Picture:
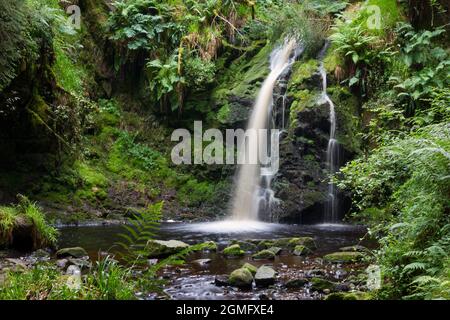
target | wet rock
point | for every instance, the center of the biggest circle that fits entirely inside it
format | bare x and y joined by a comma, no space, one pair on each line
245,245
276,250
315,273
209,246
75,252
296,283
319,284
265,276
241,278
265,244
160,248
41,255
304,241
356,247
301,250
250,268
221,280
343,257
233,251
73,270
202,262
62,263
264,255
342,287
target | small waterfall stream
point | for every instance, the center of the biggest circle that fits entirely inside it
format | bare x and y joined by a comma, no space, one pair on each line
332,205
253,193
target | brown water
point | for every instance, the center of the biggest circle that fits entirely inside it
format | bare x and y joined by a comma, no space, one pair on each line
194,281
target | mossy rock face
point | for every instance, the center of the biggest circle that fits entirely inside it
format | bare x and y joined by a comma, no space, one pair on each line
301,250
233,251
343,257
319,284
242,278
75,252
160,248
250,268
303,74
264,255
238,86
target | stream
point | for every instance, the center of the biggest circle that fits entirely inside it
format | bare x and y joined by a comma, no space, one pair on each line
196,280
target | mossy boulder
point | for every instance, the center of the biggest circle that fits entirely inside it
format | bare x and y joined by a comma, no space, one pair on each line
296,283
356,247
264,255
320,285
357,295
303,241
276,250
250,268
265,276
265,244
343,257
161,248
208,246
75,252
245,245
301,250
233,251
242,278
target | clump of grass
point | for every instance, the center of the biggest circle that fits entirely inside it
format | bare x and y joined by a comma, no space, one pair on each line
26,213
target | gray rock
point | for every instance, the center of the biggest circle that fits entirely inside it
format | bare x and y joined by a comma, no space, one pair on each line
202,262
73,270
82,263
221,280
265,276
161,248
264,255
241,278
62,263
75,252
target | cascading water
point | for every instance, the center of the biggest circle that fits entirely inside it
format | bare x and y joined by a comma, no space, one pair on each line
332,205
253,189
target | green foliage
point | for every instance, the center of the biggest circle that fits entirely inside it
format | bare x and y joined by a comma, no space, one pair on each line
429,65
24,212
406,183
199,73
365,54
141,227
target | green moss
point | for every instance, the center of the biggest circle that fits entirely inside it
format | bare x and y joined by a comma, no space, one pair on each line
250,268
264,255
233,251
319,284
343,257
332,60
301,71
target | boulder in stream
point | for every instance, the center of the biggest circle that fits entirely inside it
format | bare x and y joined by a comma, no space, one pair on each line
241,278
221,280
343,257
301,250
322,285
160,248
276,250
250,268
264,255
245,245
265,276
233,251
296,283
75,252
356,247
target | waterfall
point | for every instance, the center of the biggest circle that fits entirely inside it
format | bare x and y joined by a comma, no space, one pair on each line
332,205
253,189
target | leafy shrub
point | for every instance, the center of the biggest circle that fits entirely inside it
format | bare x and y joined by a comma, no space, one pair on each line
406,181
